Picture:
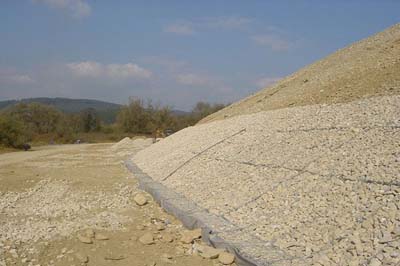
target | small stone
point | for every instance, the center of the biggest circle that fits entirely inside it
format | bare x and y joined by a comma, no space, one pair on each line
89,233
180,250
85,239
374,262
82,257
114,257
386,237
160,227
140,227
226,258
147,239
189,236
140,199
101,237
64,250
207,252
166,237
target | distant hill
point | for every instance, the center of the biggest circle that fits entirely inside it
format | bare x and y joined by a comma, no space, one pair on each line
106,110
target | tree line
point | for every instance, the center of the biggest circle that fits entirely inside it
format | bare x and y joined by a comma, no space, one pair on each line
25,122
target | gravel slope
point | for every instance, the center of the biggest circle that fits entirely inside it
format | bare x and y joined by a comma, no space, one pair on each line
319,182
367,68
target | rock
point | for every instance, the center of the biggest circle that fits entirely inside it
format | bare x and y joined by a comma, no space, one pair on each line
189,236
140,227
89,233
147,239
167,237
179,250
207,252
82,257
160,227
114,257
374,262
85,239
101,237
140,199
226,258
386,237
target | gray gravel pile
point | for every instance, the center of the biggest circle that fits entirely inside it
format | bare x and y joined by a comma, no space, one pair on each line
321,182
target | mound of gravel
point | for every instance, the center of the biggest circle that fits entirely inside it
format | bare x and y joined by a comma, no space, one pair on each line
122,143
367,68
320,183
127,144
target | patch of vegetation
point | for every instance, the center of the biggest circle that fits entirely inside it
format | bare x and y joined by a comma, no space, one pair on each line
43,124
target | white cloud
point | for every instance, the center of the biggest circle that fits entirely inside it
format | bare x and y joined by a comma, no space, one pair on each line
275,42
267,81
182,28
78,8
115,71
192,79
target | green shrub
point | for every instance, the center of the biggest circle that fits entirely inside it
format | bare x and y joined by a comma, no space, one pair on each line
12,132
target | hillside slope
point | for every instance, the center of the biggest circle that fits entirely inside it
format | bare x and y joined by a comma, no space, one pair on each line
370,67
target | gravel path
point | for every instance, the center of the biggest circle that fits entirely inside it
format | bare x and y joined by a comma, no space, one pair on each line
321,183
76,205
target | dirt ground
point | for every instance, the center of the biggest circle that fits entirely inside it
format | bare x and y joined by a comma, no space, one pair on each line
54,199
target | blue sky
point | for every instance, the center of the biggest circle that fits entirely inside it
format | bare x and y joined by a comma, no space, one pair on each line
173,52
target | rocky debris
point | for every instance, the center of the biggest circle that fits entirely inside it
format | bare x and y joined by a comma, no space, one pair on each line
147,239
46,222
56,208
321,187
226,258
140,199
189,236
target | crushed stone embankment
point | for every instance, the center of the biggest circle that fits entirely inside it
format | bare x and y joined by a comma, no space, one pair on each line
321,183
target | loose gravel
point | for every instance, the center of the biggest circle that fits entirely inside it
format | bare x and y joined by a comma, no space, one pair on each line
319,182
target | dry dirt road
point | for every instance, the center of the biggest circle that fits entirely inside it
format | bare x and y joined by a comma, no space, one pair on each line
54,199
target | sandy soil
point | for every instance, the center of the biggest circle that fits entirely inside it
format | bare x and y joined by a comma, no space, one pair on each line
51,197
